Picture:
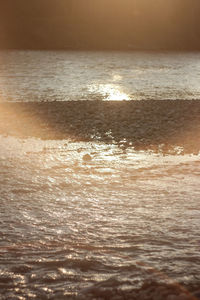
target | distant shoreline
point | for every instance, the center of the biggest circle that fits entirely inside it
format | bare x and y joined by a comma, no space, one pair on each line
144,124
104,49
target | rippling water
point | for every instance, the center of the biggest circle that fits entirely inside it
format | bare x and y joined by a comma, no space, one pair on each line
67,222
65,75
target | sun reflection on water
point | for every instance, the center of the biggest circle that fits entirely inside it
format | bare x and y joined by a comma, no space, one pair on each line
109,92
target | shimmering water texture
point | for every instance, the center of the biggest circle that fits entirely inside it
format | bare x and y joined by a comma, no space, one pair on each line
79,75
73,214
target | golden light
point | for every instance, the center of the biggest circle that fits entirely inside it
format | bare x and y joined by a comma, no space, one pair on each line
109,92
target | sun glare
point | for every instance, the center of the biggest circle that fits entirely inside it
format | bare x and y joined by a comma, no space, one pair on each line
109,92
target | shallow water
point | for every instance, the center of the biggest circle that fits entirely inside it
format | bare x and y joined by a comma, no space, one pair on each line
67,222
80,75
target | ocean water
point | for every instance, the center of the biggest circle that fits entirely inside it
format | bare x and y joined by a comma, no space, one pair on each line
67,222
79,75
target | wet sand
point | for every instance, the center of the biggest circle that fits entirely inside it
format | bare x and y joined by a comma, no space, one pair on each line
156,125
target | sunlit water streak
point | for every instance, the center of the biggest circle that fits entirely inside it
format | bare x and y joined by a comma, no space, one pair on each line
82,75
66,222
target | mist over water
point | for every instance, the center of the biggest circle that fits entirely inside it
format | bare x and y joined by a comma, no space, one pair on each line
83,75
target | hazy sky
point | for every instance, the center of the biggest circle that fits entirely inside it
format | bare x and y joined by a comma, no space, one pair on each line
99,24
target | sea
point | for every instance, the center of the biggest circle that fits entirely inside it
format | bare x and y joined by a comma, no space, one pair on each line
113,75
73,214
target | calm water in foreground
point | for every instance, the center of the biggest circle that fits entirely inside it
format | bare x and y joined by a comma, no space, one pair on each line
66,223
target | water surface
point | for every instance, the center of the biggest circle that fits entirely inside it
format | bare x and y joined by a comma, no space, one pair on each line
79,75
67,223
